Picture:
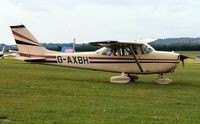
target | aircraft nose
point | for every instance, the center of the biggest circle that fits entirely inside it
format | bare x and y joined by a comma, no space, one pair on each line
182,58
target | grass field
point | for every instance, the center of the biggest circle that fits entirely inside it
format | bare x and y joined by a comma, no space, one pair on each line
31,93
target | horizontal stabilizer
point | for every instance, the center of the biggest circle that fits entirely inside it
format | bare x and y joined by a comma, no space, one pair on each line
13,51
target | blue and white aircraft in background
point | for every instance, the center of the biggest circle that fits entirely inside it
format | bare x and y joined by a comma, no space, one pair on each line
69,48
2,53
12,53
197,58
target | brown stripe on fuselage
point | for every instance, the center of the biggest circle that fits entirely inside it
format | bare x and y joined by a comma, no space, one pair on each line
118,62
21,36
26,43
118,58
31,55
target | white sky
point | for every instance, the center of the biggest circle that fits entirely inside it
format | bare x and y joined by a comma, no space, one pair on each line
59,21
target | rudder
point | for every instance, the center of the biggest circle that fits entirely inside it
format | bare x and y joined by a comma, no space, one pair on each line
27,44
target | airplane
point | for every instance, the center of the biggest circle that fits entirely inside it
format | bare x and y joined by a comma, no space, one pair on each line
12,53
2,53
197,58
130,58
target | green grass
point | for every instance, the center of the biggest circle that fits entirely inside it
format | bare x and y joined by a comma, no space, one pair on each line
190,53
31,93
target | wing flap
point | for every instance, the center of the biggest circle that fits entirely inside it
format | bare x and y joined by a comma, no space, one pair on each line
115,43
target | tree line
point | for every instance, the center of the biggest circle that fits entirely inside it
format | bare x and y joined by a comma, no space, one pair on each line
87,47
177,47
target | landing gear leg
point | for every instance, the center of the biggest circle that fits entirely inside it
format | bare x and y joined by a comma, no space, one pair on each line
133,77
163,80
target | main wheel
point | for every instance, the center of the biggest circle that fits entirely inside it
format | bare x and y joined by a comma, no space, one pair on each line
163,80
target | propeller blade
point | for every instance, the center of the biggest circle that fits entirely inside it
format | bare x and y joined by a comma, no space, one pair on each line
183,63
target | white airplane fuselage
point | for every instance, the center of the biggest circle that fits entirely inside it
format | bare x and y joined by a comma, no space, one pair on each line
154,62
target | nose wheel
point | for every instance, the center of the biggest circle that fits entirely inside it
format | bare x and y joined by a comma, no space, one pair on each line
163,80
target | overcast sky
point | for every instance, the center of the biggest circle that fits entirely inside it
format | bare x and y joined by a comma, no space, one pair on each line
94,20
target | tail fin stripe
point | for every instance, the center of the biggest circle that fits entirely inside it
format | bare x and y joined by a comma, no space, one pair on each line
21,36
28,44
18,26
25,43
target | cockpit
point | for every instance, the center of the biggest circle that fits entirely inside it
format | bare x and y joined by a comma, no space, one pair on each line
126,50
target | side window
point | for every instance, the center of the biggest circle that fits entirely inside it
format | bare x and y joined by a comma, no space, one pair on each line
137,50
111,52
125,51
107,52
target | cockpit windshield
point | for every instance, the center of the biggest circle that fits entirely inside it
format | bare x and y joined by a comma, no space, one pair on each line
147,48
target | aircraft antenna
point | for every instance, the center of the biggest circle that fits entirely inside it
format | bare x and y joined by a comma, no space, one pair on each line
74,45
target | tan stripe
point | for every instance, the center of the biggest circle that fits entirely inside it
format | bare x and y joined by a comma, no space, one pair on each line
21,36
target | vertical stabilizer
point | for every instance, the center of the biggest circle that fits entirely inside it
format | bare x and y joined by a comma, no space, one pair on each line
27,44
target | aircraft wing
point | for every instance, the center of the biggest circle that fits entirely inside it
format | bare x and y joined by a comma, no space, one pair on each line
115,43
13,51
10,55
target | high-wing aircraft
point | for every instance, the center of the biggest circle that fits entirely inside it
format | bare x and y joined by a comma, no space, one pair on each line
2,52
130,58
10,54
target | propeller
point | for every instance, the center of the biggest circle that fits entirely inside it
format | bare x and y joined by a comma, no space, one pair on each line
182,58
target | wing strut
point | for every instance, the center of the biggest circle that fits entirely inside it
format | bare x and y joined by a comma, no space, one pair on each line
134,56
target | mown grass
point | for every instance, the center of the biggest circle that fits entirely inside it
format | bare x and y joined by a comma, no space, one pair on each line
32,93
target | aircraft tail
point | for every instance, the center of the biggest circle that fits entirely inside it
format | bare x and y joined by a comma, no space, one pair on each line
27,44
3,49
